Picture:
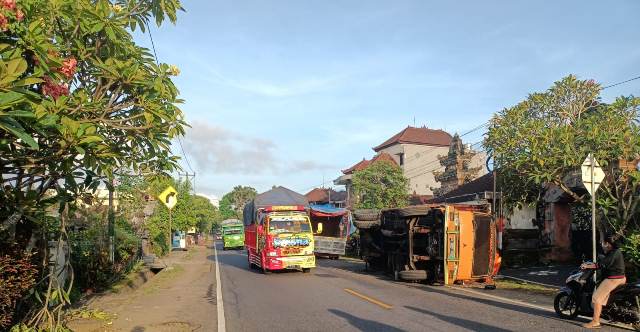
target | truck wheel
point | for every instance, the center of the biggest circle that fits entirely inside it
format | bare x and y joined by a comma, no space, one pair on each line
413,275
265,271
306,270
366,214
366,224
251,265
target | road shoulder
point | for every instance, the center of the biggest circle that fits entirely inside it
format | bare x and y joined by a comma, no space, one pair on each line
182,297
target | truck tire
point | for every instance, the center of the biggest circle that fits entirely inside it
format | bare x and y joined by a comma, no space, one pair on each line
366,214
413,275
366,224
306,270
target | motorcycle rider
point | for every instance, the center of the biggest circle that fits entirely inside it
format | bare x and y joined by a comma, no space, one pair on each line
612,267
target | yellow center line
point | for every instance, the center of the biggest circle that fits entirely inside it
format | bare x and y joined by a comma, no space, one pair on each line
364,297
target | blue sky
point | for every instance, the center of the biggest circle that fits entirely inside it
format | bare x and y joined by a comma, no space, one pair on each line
289,92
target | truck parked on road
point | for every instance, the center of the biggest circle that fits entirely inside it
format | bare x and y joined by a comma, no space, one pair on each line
278,232
232,234
331,241
449,243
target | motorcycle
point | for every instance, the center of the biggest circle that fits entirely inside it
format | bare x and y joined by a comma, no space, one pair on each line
353,246
575,299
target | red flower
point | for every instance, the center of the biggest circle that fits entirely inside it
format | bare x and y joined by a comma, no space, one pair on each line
19,15
54,90
4,23
8,4
69,67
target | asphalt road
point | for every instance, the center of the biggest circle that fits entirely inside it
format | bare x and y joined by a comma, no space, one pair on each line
337,296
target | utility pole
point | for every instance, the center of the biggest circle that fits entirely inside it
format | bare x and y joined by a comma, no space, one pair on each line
111,223
192,181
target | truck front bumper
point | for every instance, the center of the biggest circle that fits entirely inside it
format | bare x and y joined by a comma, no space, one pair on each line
290,262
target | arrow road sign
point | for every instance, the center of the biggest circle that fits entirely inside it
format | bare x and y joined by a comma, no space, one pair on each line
169,197
587,176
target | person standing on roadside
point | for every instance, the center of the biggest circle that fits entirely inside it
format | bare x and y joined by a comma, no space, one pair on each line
612,267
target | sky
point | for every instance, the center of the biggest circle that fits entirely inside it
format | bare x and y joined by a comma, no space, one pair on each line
291,92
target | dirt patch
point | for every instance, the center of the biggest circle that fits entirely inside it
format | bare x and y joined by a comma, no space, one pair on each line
179,298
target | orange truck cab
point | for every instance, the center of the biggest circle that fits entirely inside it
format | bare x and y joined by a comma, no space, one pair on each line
278,232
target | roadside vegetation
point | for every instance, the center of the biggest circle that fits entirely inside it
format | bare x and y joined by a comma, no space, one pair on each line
81,105
381,185
544,139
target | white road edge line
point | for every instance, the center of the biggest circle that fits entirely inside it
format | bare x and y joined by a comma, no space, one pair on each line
219,303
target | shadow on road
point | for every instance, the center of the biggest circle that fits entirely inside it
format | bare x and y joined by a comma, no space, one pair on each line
364,324
463,323
238,259
493,303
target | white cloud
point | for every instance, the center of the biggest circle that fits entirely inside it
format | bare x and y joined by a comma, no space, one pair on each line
220,150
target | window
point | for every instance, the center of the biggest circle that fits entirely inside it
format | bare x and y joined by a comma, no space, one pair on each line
401,157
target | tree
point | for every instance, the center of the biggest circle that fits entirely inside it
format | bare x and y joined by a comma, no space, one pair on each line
190,211
232,203
79,101
381,185
544,139
205,214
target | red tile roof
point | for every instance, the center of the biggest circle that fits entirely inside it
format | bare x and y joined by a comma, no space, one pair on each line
317,195
359,166
322,195
365,163
421,136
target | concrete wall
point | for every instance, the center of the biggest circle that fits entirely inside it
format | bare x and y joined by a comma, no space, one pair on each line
480,160
419,163
521,218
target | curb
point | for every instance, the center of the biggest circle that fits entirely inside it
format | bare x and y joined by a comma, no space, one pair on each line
528,281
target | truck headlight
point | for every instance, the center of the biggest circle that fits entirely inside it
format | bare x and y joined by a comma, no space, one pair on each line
272,253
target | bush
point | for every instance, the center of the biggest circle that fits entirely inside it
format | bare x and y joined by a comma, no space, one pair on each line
90,254
17,276
631,250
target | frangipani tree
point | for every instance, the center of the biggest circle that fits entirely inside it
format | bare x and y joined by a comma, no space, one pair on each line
546,137
79,100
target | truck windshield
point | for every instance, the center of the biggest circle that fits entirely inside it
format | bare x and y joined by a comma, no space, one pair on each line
233,231
289,226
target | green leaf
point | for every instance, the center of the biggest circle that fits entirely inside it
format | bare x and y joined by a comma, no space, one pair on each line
10,97
16,67
21,134
91,139
28,81
19,114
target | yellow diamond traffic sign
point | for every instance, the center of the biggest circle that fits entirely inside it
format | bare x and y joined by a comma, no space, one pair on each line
169,197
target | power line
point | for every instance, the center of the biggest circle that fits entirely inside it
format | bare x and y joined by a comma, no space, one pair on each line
422,167
434,169
487,122
623,82
186,159
418,154
153,45
185,155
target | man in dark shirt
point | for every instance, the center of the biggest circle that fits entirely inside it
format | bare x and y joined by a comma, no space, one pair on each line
612,266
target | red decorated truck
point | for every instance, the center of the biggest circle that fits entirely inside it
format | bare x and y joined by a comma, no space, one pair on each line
278,233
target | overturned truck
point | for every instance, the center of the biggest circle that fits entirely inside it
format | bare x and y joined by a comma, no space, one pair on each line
447,244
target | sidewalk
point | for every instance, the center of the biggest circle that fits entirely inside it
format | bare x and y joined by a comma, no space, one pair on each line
179,298
551,276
